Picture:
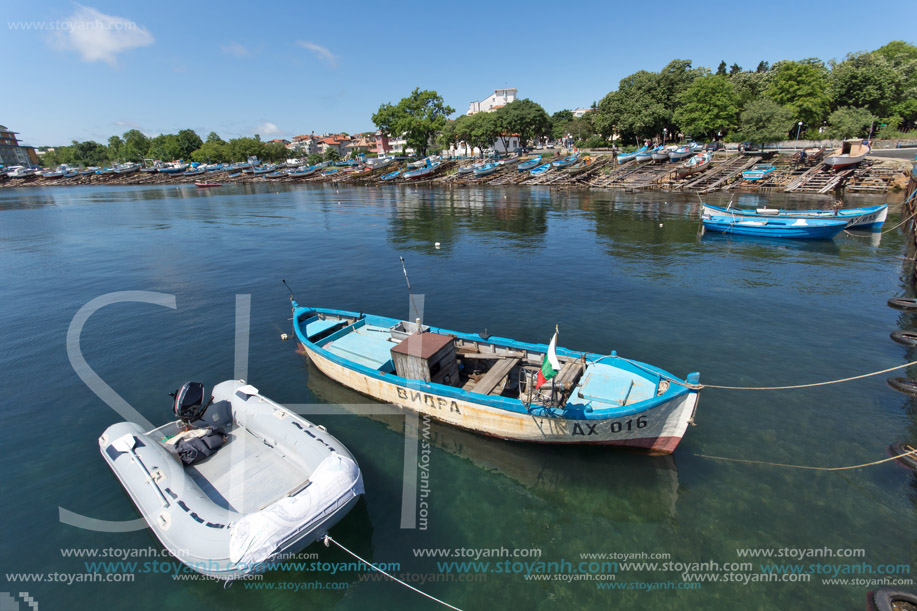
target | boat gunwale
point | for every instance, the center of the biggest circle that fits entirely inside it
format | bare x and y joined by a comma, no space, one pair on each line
676,389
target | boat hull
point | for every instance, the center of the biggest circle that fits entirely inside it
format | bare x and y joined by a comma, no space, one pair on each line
763,228
661,431
871,217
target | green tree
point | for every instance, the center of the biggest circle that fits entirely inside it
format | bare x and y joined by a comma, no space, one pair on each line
275,152
332,155
734,69
523,117
484,130
315,159
136,145
164,147
865,80
763,66
240,149
215,138
803,88
708,105
115,147
721,69
188,141
211,152
418,117
764,121
903,59
850,122
645,101
750,85
562,116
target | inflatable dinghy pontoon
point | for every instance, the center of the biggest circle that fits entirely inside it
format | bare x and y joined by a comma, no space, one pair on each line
235,483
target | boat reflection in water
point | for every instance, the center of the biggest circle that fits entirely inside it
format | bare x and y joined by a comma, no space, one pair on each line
613,483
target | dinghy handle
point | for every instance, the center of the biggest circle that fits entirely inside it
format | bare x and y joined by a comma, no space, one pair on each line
126,443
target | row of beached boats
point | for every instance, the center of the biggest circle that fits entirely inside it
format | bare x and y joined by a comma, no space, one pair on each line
798,224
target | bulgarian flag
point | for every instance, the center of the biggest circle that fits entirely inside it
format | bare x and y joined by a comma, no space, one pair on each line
550,366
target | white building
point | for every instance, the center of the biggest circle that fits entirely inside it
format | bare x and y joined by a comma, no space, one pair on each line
499,99
579,112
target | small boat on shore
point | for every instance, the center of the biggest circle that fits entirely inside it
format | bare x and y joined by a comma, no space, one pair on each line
421,172
625,157
126,168
648,154
776,227
207,185
497,386
196,172
685,150
566,161
851,153
172,168
232,485
661,154
757,172
540,169
528,164
869,217
698,163
276,174
485,170
303,172
391,175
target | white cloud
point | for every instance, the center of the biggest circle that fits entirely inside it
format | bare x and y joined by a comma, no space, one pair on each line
97,36
267,129
236,49
320,52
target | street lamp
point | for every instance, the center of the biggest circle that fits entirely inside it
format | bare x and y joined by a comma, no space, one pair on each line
664,132
798,127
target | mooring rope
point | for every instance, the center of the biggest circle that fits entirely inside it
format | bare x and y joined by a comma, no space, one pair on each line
328,539
701,386
910,452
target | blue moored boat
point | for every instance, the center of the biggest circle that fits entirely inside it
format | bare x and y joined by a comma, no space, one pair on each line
392,175
488,386
540,169
529,164
625,157
778,227
757,172
869,217
566,161
486,170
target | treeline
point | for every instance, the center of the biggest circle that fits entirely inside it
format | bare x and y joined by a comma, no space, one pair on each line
134,145
833,99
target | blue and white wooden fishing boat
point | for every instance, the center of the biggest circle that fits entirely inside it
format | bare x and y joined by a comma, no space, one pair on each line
234,175
276,174
71,174
195,172
330,172
233,485
392,175
487,384
697,163
685,150
421,172
566,161
126,168
303,172
776,227
647,154
172,168
486,170
529,164
625,157
540,169
869,217
757,172
661,153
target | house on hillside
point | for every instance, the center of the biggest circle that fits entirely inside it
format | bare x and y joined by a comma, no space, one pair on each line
499,99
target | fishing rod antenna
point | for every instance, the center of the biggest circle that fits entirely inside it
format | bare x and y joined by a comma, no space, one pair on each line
410,292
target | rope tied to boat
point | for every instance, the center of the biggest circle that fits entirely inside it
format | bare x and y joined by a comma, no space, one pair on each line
911,451
909,198
811,385
327,539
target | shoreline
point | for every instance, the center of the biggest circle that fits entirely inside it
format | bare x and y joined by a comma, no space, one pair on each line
876,174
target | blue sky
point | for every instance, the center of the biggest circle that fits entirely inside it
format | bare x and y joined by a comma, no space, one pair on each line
284,68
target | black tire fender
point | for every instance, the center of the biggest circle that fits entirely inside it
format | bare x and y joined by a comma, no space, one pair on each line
908,338
903,303
883,598
905,385
898,448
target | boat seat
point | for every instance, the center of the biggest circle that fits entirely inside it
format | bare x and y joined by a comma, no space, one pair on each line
494,376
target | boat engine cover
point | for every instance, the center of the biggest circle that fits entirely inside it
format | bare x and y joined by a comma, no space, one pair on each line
189,402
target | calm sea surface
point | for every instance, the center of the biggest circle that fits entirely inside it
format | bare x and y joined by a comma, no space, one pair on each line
615,271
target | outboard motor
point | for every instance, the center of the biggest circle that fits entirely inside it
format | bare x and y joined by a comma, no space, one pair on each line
189,402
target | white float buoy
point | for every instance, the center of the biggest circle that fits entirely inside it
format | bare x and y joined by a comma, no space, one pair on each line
284,337
436,244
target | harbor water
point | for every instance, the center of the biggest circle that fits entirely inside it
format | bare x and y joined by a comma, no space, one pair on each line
497,524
